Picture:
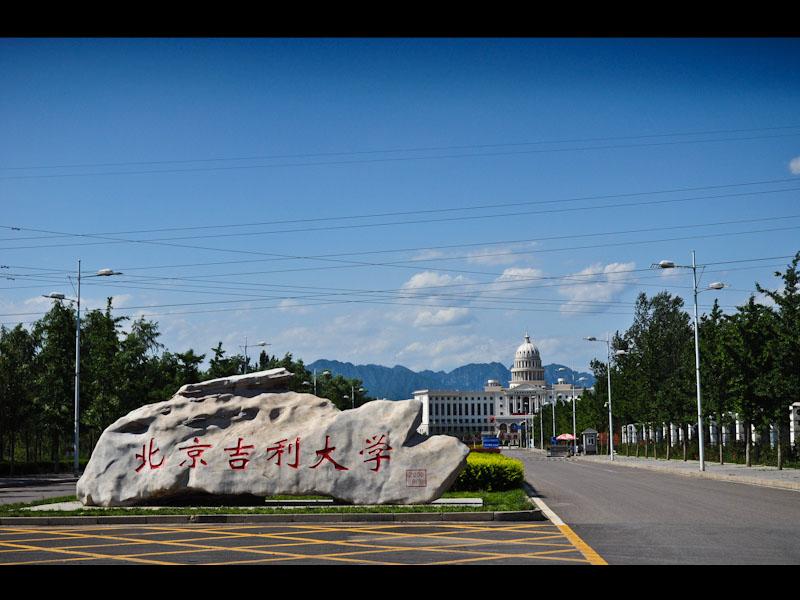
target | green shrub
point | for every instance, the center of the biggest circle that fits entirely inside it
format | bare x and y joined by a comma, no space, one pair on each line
489,472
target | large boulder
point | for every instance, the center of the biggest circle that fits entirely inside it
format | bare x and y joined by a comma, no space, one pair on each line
248,436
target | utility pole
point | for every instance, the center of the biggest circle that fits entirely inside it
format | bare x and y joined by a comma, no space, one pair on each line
76,429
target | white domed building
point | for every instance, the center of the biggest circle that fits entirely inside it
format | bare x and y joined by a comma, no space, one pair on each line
513,413
527,367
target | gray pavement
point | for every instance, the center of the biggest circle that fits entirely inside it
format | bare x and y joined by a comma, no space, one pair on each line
756,475
454,543
29,488
666,515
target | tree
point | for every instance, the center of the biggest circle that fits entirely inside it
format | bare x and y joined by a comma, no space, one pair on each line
784,385
139,376
189,367
100,398
748,347
16,360
220,366
660,346
716,370
54,365
590,408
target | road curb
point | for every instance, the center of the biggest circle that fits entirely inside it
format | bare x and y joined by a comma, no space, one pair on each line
522,515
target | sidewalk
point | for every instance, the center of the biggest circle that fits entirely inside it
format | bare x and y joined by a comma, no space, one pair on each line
788,479
29,488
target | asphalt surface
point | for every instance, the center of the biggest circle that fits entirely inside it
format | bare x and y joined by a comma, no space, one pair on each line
487,543
29,488
636,516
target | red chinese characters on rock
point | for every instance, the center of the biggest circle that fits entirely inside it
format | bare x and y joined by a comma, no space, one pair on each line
325,454
195,452
278,449
236,463
147,457
375,448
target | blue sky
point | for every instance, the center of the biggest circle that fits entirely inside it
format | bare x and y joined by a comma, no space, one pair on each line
538,180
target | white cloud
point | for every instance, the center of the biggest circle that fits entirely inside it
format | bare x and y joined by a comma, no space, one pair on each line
451,352
794,165
598,284
519,273
293,306
430,282
671,273
442,317
428,255
501,255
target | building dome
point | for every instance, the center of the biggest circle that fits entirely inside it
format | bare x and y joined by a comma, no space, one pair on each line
527,349
527,365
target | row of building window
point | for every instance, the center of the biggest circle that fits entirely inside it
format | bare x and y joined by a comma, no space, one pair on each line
435,430
479,420
445,409
458,398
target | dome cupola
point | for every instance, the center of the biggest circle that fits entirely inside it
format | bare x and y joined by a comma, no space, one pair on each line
527,365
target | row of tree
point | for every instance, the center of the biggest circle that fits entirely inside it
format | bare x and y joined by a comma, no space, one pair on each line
750,366
120,371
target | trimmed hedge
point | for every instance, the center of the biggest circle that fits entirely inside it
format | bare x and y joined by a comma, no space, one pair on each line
484,450
489,472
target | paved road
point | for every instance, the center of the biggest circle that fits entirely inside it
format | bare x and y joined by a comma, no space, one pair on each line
635,516
28,488
490,543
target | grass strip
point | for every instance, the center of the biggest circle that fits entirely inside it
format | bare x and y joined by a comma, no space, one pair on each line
512,500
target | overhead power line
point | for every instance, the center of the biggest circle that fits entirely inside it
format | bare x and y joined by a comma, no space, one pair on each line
397,158
405,294
459,209
397,150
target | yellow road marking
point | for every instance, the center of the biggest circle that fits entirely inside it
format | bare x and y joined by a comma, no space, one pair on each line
48,560
393,535
167,543
373,548
592,556
114,544
294,535
89,554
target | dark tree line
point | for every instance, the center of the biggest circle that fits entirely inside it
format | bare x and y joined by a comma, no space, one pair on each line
749,365
120,371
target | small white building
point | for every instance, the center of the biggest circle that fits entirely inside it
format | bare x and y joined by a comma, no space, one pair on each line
505,412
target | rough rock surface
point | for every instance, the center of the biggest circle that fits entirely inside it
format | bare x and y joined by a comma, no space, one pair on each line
247,435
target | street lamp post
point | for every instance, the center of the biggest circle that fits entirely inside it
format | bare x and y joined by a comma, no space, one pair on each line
76,423
668,264
247,360
315,379
541,426
574,431
608,369
353,395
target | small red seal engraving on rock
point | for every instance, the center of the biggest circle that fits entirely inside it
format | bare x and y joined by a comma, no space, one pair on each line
416,478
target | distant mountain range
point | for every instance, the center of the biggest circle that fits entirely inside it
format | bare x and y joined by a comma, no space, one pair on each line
399,382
